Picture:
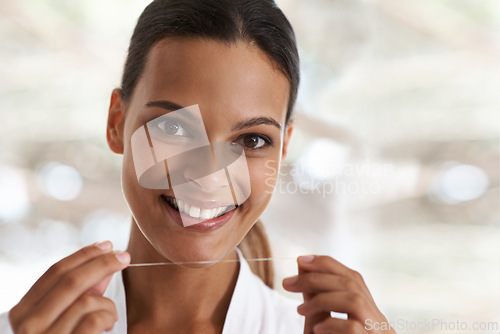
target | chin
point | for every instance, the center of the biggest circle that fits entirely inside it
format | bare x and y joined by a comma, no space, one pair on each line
198,256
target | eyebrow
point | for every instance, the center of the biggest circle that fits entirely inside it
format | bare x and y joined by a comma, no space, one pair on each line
169,106
164,104
248,123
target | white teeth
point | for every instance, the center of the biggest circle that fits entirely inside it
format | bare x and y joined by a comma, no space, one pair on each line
196,212
181,205
206,214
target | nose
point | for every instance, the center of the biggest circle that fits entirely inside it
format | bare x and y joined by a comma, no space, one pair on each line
197,169
209,183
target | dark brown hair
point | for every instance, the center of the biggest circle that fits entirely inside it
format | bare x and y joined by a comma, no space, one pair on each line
259,22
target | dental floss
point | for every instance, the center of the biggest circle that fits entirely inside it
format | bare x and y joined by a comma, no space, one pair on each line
207,262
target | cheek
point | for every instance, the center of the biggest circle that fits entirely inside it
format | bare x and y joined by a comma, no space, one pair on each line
134,194
263,177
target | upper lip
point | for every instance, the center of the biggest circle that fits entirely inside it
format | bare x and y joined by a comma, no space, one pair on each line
202,204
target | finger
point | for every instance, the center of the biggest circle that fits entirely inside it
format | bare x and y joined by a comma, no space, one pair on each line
326,264
311,320
354,304
314,319
302,271
96,323
75,283
338,326
318,282
48,280
84,305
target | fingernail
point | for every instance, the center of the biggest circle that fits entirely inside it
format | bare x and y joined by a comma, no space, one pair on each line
290,280
104,245
300,308
306,258
123,257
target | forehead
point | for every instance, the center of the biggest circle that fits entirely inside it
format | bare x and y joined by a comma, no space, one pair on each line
215,75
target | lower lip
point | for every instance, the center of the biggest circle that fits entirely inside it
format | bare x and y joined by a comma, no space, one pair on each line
196,224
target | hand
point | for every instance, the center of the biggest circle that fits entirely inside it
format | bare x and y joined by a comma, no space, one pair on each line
327,285
68,297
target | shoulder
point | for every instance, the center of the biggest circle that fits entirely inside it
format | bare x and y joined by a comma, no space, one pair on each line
5,324
271,298
256,308
279,313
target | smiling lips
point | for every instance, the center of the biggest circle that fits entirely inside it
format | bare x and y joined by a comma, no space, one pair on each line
196,212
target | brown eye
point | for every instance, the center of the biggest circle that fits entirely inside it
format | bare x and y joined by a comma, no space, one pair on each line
253,141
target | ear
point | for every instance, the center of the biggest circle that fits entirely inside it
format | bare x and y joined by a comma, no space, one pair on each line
286,139
114,129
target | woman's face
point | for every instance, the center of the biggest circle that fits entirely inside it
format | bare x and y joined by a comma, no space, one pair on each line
242,98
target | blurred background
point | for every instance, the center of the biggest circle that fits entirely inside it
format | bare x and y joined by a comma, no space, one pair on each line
393,167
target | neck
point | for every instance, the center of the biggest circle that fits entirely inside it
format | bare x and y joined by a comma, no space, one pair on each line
174,297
